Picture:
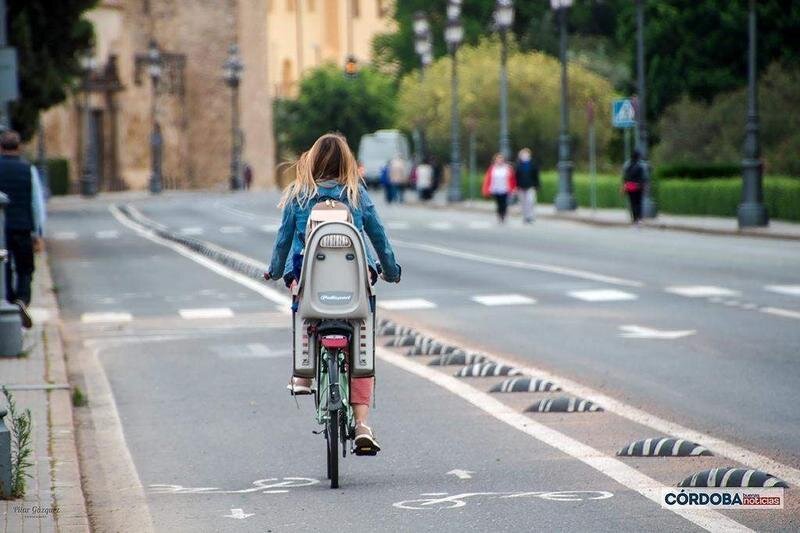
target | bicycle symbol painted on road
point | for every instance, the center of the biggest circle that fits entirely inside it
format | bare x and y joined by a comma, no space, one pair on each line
264,486
441,500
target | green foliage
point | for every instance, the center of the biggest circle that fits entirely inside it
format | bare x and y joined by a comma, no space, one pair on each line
330,101
49,36
699,133
58,174
20,429
534,96
79,399
698,171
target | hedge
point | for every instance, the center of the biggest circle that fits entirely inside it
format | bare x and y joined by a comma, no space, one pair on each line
697,171
707,197
58,174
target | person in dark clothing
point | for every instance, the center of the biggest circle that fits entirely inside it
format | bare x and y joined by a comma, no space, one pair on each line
25,217
527,172
632,185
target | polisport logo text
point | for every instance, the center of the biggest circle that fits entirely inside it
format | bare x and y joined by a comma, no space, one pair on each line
723,498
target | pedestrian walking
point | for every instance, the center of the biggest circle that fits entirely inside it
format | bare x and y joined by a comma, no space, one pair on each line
423,175
632,185
527,172
248,176
398,176
499,182
25,218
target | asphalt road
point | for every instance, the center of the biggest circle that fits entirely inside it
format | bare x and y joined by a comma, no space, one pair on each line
696,329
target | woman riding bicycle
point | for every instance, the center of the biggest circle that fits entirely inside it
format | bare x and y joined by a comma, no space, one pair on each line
329,170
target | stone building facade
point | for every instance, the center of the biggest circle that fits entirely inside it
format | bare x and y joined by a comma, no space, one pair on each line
278,41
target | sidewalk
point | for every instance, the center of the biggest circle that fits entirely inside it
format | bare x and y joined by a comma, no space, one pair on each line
777,229
54,499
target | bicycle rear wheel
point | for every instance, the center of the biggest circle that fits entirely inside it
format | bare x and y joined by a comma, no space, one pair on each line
332,434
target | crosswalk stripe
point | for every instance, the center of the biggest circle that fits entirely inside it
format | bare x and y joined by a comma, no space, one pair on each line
702,291
107,234
191,231
205,312
441,226
503,299
98,318
411,303
602,295
791,290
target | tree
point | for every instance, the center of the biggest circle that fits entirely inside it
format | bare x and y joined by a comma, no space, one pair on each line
330,101
534,93
49,36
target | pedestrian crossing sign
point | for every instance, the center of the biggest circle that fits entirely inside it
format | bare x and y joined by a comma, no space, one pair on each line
623,113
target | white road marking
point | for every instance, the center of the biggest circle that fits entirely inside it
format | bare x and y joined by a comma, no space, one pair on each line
702,291
262,486
281,299
65,236
640,482
411,303
777,311
205,312
98,318
602,295
461,474
107,234
540,267
641,332
239,514
191,231
136,214
480,224
503,299
270,228
791,290
398,225
231,229
253,350
614,468
441,226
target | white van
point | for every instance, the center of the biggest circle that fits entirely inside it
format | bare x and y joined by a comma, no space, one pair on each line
376,149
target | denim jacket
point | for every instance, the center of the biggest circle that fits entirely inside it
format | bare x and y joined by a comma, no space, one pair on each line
291,235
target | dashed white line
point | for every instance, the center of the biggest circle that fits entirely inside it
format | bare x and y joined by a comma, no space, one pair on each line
602,295
65,236
777,311
99,318
702,291
503,299
205,312
191,231
107,234
231,229
398,225
441,226
270,228
791,290
480,224
411,303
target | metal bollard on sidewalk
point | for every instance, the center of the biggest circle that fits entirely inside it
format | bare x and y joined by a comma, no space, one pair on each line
10,322
5,458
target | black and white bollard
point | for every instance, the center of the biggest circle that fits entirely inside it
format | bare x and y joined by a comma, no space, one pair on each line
10,322
5,458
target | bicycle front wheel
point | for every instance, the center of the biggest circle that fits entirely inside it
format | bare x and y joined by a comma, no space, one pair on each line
332,434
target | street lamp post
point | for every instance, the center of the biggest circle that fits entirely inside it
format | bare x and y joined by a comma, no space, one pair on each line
752,212
154,69
453,36
233,68
423,46
649,207
503,19
88,180
565,200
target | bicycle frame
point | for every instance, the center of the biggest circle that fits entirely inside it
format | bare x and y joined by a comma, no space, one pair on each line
333,393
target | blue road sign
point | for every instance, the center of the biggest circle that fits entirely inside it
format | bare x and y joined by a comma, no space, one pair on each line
623,113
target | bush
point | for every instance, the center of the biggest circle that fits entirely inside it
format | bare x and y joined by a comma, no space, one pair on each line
58,174
698,171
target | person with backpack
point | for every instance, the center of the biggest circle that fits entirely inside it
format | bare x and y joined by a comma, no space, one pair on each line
500,182
328,171
527,172
633,184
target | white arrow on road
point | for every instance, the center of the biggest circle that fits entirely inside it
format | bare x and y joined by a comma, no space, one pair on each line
462,474
238,514
640,332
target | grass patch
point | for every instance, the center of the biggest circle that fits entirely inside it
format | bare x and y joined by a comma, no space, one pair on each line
20,429
79,399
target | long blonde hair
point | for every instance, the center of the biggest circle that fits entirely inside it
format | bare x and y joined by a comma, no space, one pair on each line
329,158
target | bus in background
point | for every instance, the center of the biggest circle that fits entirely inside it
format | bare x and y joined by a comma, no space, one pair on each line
376,149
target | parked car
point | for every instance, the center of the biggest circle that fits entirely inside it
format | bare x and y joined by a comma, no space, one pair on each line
375,149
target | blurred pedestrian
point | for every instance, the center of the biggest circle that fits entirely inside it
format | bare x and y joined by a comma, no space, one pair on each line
398,176
527,172
388,189
248,176
25,218
500,182
632,185
423,175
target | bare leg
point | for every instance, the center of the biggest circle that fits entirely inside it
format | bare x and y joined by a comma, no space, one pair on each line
361,411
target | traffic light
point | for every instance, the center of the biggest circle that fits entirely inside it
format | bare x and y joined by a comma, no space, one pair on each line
351,67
